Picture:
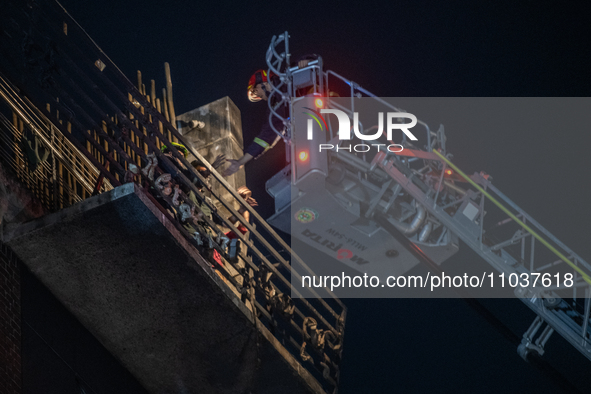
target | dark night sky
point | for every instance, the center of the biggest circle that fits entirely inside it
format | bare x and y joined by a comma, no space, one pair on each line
441,49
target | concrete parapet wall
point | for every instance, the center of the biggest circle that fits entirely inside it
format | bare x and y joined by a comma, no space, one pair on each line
10,322
222,134
17,203
129,276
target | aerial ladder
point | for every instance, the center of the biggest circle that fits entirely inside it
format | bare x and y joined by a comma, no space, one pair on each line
412,205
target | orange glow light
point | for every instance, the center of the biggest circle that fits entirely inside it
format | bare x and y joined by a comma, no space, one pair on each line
303,155
449,172
318,102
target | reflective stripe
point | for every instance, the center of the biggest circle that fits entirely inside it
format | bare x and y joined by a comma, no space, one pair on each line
261,142
178,146
585,276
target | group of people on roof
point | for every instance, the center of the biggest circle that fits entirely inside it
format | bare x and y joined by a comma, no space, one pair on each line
197,214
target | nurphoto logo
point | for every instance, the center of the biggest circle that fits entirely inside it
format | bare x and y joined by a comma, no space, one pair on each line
392,123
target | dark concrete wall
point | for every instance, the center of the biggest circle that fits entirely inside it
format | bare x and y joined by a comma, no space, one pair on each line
10,322
59,356
127,274
17,203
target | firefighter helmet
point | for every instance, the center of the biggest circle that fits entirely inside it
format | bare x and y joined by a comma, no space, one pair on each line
259,76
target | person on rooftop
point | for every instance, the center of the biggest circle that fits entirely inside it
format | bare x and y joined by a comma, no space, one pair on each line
259,89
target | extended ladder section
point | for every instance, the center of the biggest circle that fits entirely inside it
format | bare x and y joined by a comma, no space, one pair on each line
421,194
97,115
545,274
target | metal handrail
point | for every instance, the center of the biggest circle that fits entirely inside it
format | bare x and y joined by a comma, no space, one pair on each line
64,150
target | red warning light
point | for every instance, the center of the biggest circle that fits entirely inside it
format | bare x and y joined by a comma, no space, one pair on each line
448,172
318,102
303,155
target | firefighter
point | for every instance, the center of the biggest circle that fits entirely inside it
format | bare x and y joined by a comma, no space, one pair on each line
259,88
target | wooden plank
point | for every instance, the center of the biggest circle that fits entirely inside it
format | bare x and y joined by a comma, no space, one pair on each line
169,94
139,81
165,105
